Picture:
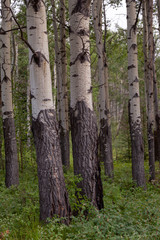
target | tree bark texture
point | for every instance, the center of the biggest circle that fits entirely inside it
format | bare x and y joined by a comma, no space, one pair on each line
52,190
150,89
61,69
105,138
53,194
11,160
134,99
65,146
83,122
85,149
156,112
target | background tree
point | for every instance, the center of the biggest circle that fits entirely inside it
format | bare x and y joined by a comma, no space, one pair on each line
11,160
105,138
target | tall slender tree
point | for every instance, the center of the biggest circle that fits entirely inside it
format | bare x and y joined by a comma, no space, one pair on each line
148,49
83,120
105,125
61,70
11,161
134,99
52,190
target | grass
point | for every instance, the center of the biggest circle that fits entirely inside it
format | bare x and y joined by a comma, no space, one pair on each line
129,213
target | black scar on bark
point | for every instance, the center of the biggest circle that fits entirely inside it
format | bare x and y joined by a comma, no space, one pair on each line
52,190
36,4
38,58
3,46
6,79
83,7
11,159
85,153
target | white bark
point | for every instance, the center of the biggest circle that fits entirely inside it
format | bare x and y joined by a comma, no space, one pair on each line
41,89
134,99
6,85
133,65
80,72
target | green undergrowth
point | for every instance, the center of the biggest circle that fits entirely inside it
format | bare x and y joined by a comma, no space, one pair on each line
129,212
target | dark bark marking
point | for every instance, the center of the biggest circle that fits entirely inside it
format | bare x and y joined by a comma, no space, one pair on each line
83,7
131,66
3,46
2,31
36,4
6,79
12,169
46,99
38,58
136,95
32,27
134,46
82,57
75,75
85,153
7,113
52,190
32,96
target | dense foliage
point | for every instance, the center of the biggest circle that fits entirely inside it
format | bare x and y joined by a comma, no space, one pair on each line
129,213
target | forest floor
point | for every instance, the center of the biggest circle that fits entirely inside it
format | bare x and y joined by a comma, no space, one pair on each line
129,212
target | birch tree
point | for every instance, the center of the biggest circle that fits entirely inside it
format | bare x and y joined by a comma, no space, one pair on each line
105,125
148,50
83,121
52,190
61,71
11,160
134,99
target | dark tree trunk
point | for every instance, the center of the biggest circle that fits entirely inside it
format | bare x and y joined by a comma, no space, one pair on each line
156,138
151,151
138,173
85,150
65,147
105,144
52,190
12,169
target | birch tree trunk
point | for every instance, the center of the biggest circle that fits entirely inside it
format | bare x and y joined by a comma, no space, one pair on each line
61,70
149,68
105,139
52,190
134,99
83,120
64,131
11,161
